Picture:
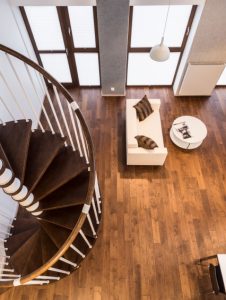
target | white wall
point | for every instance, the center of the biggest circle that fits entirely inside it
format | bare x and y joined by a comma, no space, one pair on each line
208,46
17,39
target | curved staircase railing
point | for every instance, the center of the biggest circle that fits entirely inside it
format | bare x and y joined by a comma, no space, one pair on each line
63,117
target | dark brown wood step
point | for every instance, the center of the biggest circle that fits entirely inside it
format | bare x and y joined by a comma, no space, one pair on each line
15,138
57,234
35,259
42,150
21,256
65,217
49,249
21,225
16,241
71,194
63,168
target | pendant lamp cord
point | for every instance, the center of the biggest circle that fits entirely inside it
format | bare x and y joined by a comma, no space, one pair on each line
166,19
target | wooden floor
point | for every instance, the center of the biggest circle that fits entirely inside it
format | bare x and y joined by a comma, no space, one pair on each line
157,220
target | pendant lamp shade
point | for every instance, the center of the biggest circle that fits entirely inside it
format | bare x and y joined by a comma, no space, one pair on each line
160,52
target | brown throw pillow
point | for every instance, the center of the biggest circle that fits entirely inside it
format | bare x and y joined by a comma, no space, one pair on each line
143,108
145,142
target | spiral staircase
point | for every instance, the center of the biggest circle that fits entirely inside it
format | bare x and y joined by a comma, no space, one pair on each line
48,168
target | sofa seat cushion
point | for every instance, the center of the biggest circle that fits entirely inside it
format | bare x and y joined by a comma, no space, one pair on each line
152,128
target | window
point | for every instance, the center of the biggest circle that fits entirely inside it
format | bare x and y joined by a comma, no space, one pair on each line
144,71
65,42
146,30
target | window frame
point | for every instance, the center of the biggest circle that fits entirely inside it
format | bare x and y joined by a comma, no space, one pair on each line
147,50
70,50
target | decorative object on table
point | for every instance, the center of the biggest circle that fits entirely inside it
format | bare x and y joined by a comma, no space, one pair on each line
143,108
188,132
161,52
145,142
184,130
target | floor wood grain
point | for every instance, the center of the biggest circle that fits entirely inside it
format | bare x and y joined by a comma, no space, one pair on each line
157,220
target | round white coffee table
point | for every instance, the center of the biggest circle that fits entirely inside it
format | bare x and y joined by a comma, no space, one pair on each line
188,132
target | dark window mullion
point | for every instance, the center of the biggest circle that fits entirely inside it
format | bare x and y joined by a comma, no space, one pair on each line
66,28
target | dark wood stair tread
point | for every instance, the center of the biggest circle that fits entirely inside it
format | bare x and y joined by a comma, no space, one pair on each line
66,165
57,234
42,150
49,249
35,258
16,241
20,258
71,194
65,217
21,225
15,138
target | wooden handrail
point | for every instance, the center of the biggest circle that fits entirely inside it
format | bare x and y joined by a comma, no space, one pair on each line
90,191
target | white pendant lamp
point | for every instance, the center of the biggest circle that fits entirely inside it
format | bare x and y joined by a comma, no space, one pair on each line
161,52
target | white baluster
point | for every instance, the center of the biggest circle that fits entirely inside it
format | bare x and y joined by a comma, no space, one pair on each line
63,116
85,238
13,96
91,225
8,270
58,270
77,251
7,217
3,241
68,262
82,139
7,109
40,102
39,282
74,128
52,108
10,275
48,277
25,93
5,256
6,224
3,248
95,211
97,193
5,233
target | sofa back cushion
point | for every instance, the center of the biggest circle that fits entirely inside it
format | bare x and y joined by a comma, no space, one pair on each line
143,108
145,142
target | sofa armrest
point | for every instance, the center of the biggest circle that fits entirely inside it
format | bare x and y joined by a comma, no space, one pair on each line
131,126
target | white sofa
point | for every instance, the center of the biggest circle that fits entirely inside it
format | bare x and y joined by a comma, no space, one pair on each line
150,127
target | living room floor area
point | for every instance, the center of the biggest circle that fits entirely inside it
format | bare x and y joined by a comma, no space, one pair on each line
156,220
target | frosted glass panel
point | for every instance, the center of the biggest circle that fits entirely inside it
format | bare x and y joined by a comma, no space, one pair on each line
45,26
88,68
148,25
82,25
144,71
222,79
57,66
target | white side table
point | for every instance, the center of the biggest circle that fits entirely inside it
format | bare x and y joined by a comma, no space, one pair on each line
196,130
